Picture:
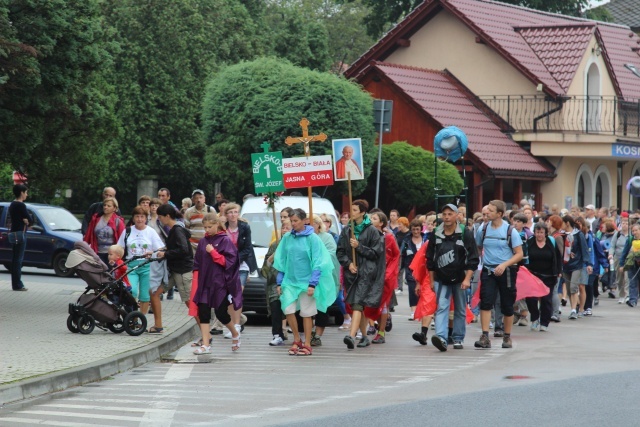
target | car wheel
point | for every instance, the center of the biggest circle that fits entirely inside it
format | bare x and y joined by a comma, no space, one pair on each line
86,324
72,324
135,323
59,267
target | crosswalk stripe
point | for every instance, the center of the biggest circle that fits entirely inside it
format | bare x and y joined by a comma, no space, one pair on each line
35,421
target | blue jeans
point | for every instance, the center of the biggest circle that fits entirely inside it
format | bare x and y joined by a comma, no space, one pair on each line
16,265
443,297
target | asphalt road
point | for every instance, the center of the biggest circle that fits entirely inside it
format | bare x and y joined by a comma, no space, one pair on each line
580,372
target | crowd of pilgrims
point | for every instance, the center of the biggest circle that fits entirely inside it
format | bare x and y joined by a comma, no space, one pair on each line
500,267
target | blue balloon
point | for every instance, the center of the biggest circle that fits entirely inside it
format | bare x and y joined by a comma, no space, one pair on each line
633,186
445,143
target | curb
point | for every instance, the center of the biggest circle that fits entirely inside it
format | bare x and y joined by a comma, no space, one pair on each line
96,371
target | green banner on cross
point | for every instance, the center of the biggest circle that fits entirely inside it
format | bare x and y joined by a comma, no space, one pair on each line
267,170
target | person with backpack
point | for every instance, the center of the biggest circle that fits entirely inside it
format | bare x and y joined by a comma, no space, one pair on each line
519,222
576,261
502,247
452,258
545,263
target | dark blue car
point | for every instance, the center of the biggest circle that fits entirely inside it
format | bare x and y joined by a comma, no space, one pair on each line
49,239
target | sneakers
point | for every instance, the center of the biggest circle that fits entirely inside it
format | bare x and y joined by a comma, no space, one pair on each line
631,304
411,317
535,325
573,315
439,343
506,342
345,325
483,342
359,335
350,342
563,302
596,301
544,328
276,341
371,330
499,333
379,339
364,342
580,315
587,312
611,295
555,319
420,337
315,340
389,324
432,326
227,333
398,291
457,345
523,321
621,301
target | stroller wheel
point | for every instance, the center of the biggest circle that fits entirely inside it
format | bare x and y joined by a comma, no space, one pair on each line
135,323
72,324
116,327
86,324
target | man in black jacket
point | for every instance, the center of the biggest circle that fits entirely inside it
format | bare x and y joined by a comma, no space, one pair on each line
452,258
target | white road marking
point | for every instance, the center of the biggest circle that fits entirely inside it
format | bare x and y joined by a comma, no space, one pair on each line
178,372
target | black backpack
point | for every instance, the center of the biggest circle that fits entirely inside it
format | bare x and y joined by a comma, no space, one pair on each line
450,255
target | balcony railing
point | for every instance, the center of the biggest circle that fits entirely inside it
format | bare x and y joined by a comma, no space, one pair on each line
577,114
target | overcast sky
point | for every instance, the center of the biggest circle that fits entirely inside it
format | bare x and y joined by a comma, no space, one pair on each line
595,3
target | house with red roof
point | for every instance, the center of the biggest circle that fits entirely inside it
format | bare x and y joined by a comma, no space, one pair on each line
549,102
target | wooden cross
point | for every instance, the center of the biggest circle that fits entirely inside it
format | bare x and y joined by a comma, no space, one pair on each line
305,138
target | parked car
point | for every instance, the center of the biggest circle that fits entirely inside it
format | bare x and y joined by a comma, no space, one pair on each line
255,212
49,239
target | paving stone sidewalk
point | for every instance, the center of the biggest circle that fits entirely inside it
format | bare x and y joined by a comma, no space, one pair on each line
35,341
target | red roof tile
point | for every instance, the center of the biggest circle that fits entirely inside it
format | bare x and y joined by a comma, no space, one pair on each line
440,96
496,24
559,48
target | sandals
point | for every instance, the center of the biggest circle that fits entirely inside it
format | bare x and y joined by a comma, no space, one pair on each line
154,330
236,343
199,342
304,351
202,350
293,351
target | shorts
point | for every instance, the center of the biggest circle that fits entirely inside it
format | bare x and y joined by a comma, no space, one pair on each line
572,280
183,282
307,306
503,285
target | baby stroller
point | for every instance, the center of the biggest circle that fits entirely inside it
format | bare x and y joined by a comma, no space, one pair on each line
106,302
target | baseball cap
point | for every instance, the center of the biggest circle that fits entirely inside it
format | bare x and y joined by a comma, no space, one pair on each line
196,191
593,208
624,214
450,206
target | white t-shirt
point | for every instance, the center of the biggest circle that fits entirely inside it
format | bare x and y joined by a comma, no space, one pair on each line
141,242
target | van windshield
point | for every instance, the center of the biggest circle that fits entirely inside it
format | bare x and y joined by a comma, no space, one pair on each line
261,227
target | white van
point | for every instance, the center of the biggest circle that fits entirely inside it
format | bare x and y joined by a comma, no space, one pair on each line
254,210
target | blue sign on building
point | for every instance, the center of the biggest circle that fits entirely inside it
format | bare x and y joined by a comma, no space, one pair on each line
625,150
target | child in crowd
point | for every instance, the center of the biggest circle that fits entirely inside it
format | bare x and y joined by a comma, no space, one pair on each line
115,254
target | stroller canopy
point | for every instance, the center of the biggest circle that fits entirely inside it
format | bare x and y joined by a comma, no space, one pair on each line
82,252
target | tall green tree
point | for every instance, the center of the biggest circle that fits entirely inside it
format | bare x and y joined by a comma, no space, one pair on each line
168,50
385,13
407,178
56,109
264,100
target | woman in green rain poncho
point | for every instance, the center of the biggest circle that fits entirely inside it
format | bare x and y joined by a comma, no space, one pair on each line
364,280
305,279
